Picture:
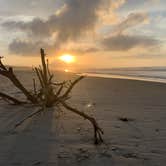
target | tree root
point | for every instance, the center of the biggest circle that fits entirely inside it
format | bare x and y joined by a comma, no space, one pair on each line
98,132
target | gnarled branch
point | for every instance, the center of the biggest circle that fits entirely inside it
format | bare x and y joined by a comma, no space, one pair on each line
48,94
97,130
71,86
14,100
8,73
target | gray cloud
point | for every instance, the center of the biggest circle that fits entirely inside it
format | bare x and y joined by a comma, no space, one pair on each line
73,19
122,41
141,4
132,20
28,48
126,42
34,28
76,18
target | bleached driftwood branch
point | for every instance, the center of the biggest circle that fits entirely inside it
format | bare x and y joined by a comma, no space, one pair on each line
48,94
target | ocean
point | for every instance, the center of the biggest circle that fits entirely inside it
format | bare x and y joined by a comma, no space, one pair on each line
154,74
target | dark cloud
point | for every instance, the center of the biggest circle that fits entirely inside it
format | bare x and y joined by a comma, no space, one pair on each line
27,48
126,42
77,17
35,28
73,19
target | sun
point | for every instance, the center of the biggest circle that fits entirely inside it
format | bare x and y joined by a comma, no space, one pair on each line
67,58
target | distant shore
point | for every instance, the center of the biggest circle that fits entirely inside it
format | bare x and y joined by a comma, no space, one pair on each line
128,77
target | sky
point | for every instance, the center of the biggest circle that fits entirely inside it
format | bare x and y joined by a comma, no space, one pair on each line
99,33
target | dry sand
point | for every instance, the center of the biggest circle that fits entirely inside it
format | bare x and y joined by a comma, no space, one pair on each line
50,140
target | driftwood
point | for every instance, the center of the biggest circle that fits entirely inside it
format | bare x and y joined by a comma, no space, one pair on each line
97,130
48,94
8,72
9,98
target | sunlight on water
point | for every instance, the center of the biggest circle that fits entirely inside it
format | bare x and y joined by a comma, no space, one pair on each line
156,74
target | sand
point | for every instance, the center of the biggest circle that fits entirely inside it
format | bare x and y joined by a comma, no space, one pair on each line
132,114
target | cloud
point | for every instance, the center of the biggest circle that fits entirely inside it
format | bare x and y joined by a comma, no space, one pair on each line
121,40
109,15
140,4
71,21
27,48
126,42
132,20
34,28
83,50
75,18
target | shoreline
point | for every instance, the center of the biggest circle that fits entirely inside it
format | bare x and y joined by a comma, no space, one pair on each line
124,77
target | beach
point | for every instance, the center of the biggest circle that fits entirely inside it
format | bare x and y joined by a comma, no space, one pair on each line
132,114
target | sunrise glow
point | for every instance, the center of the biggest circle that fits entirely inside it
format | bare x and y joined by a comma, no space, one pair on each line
67,58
